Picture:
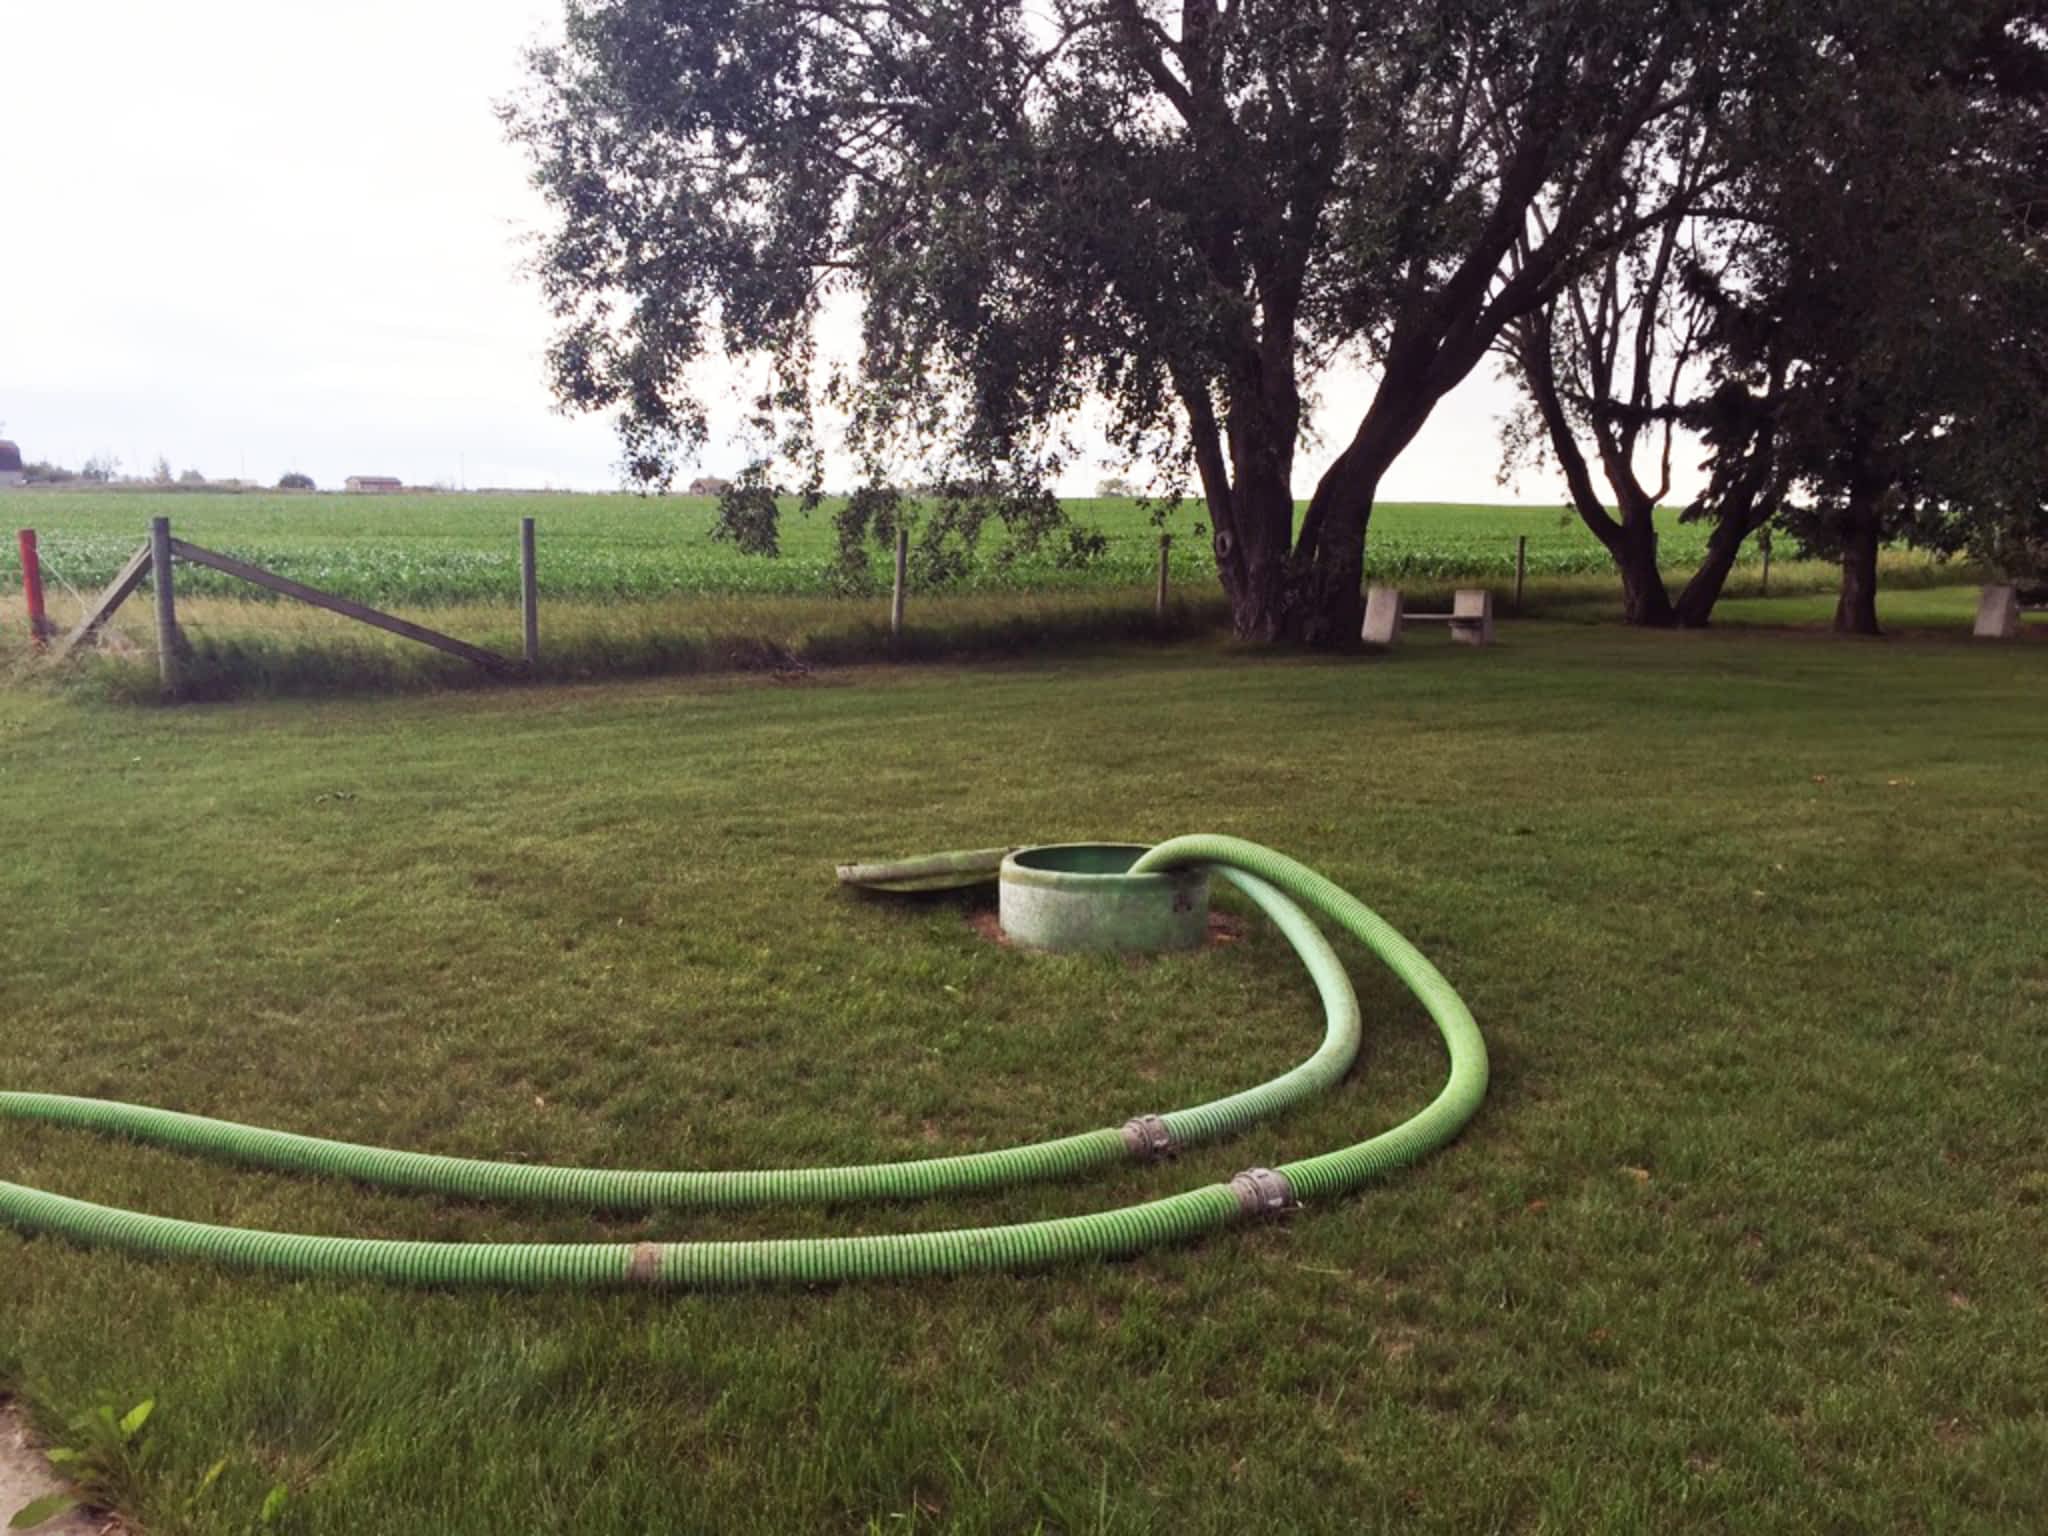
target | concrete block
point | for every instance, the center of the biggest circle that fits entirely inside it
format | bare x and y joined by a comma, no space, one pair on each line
1472,616
1998,613
1382,615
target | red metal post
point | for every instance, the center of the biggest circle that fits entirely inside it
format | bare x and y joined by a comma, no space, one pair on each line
32,588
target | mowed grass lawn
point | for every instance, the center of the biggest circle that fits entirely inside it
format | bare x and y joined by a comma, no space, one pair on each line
1747,1237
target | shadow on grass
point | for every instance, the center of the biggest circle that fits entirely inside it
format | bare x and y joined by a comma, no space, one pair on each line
219,665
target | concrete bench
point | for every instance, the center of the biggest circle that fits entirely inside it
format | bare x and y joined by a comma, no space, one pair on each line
1998,612
1470,618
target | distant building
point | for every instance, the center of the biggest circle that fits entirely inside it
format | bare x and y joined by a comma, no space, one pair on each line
379,484
11,472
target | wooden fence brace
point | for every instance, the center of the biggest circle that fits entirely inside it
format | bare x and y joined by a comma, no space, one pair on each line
529,593
490,661
125,581
32,589
1159,598
902,580
1521,566
167,657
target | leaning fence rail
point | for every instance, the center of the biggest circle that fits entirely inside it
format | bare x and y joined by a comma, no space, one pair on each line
348,608
125,581
161,553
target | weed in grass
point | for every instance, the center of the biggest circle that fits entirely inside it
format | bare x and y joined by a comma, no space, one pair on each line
108,1465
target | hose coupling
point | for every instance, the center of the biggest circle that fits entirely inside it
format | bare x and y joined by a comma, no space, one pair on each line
643,1266
1262,1192
1148,1138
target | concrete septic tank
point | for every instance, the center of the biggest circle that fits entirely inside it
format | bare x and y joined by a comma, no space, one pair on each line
1069,897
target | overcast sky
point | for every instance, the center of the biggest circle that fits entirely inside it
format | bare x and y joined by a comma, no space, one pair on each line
260,235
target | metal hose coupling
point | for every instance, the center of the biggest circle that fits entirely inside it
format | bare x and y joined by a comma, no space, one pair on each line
643,1265
1149,1138
1262,1192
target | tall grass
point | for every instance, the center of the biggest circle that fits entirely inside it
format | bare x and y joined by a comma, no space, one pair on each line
242,646
632,586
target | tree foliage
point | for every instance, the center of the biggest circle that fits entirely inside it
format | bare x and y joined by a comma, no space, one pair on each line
1186,212
1862,303
1893,297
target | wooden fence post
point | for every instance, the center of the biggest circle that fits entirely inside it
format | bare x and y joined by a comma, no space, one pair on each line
1521,567
32,589
902,575
529,593
1767,568
1159,598
167,659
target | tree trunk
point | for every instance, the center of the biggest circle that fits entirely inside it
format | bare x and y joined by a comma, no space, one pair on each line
1326,601
1696,603
1326,594
1644,598
1632,544
1856,609
1264,525
1263,422
1632,540
1748,501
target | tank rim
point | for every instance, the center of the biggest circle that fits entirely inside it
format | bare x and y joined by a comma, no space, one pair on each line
1017,870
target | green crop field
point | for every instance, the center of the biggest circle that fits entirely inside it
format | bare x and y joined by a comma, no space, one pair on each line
428,549
632,585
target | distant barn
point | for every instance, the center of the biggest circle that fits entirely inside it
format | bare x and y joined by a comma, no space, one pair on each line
11,472
381,484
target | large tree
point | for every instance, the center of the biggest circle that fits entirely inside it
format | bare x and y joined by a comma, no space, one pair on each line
1857,300
1185,211
1612,365
1884,325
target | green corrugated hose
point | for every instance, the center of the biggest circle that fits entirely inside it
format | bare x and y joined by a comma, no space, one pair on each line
1274,881
617,1189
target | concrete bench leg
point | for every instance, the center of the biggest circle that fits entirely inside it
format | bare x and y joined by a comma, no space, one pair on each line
1472,616
1998,613
1382,615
